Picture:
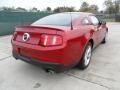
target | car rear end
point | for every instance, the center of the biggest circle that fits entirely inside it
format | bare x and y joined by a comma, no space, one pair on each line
47,42
43,45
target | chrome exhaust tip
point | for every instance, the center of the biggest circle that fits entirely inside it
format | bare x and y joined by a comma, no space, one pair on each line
50,71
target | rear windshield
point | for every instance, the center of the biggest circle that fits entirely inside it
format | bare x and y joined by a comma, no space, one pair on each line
62,19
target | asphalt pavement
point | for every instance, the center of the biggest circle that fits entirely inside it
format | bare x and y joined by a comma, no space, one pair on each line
102,74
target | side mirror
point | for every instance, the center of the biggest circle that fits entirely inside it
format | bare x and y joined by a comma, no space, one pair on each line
100,23
103,22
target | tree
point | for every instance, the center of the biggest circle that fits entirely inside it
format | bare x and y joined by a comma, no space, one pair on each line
71,9
117,6
108,3
8,9
34,9
110,7
84,7
56,10
20,9
48,9
93,8
64,9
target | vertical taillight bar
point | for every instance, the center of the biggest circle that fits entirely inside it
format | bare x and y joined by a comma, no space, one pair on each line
51,40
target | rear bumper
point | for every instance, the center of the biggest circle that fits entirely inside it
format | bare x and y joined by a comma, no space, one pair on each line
42,54
45,65
58,58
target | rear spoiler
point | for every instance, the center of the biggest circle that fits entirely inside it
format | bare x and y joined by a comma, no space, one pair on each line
45,27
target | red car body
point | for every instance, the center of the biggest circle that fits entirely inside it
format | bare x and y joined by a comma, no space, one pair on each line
57,47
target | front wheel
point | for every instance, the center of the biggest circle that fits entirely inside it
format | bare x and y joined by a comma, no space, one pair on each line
105,38
85,61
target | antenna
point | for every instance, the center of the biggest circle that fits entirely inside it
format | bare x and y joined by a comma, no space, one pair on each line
71,24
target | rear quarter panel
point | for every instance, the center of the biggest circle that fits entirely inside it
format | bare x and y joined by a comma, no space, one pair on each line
77,41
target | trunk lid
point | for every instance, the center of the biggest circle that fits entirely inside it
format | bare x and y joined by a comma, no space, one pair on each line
34,33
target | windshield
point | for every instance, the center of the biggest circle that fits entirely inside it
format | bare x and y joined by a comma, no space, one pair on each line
62,19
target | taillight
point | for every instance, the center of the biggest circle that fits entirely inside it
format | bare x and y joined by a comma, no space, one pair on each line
50,40
14,35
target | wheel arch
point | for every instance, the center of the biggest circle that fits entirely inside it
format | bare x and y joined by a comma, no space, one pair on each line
89,41
107,29
92,42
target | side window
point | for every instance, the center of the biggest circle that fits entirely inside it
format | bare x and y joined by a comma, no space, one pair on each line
94,20
85,21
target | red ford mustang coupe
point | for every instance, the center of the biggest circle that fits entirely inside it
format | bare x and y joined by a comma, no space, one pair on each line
59,41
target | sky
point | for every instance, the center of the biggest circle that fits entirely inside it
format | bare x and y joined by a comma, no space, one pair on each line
42,4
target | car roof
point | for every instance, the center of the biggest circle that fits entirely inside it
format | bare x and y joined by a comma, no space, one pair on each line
81,13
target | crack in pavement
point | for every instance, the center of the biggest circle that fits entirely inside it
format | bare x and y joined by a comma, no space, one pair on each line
71,76
88,81
5,58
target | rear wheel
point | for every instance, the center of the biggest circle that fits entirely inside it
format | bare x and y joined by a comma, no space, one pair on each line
85,61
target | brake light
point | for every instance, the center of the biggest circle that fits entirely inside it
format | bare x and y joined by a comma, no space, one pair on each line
50,40
14,35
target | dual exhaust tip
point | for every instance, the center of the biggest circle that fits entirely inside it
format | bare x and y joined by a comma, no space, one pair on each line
50,71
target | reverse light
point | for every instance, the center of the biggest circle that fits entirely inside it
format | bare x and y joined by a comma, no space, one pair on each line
51,40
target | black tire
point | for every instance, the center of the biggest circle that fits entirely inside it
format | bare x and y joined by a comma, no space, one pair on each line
104,40
82,64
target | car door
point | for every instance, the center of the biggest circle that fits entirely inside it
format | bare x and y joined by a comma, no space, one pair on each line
97,28
85,23
103,30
